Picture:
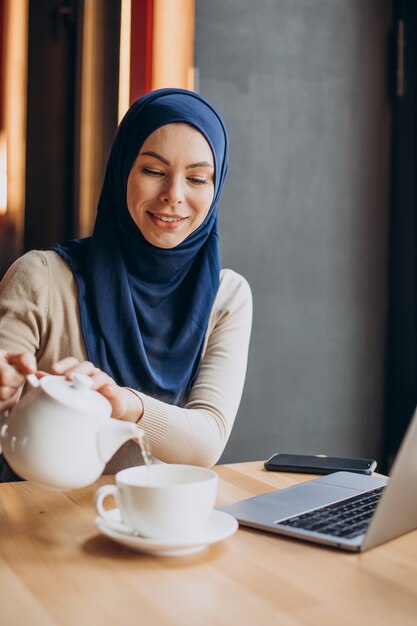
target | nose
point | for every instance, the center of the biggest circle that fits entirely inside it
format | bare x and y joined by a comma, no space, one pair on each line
172,192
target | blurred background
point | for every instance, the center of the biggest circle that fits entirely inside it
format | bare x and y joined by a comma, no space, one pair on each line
319,209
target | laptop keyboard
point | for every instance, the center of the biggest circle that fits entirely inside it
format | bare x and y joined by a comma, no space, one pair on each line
346,519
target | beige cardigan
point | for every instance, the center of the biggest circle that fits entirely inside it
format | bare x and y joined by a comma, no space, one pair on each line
39,312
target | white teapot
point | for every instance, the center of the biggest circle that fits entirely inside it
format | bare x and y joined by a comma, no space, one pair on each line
61,435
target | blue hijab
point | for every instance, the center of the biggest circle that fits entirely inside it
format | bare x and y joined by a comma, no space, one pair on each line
144,310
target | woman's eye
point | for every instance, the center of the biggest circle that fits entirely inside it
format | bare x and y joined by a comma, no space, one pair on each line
198,181
149,172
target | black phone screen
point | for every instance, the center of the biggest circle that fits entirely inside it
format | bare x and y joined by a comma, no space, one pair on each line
317,464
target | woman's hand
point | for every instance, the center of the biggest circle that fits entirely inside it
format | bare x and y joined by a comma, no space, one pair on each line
126,405
13,371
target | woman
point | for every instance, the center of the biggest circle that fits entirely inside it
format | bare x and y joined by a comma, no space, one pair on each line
142,306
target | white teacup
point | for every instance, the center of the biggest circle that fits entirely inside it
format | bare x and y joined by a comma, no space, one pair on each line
161,501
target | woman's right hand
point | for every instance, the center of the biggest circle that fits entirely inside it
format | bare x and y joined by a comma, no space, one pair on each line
13,371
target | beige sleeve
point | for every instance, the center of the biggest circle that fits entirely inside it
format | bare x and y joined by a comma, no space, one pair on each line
198,433
24,301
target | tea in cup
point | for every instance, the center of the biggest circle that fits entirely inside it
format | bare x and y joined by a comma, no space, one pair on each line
161,501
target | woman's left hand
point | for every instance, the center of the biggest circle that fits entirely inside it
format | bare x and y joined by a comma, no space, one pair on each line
125,404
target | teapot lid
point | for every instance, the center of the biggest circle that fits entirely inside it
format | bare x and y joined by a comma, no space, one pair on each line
76,394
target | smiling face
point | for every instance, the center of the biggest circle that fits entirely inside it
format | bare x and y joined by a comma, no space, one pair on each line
171,184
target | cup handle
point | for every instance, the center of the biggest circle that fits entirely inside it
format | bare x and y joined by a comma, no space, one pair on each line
99,497
101,494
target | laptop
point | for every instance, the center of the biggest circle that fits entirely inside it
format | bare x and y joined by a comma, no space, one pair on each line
343,510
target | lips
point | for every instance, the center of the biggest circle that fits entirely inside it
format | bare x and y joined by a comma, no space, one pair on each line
166,221
166,218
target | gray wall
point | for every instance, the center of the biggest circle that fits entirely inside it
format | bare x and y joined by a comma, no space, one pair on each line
302,85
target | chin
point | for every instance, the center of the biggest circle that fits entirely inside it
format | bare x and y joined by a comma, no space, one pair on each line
165,242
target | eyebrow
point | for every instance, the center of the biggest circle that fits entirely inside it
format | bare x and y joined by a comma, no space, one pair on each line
164,160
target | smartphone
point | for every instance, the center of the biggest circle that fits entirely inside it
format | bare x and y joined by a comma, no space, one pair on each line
318,464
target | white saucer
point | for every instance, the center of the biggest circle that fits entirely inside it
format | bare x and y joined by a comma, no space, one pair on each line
220,525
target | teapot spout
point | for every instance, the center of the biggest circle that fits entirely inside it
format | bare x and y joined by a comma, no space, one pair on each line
113,434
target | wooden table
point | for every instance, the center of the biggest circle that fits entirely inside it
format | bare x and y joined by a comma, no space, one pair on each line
55,568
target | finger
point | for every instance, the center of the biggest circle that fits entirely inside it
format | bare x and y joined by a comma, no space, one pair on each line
7,393
111,392
101,379
61,367
10,376
85,367
24,362
9,403
125,404
115,396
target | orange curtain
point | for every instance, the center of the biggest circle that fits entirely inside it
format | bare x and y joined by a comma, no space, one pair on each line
162,45
141,48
